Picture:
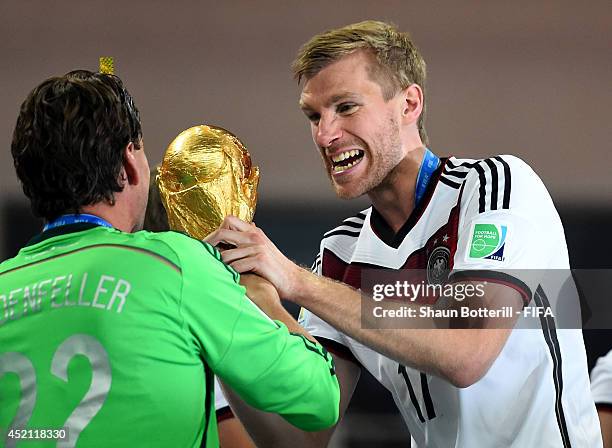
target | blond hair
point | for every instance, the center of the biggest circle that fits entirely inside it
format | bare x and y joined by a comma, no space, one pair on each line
398,63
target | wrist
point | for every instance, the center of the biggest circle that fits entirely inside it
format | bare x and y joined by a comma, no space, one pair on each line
298,285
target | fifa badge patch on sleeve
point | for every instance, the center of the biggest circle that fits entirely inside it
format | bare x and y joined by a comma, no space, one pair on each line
488,242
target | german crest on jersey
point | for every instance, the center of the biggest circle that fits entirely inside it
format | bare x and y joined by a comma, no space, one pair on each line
438,265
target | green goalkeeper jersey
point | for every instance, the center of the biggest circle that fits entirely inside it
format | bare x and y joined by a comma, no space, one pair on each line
115,337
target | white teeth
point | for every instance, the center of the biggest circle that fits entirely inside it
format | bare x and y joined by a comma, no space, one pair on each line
340,168
345,155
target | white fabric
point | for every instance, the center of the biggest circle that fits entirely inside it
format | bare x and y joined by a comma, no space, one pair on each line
220,400
601,380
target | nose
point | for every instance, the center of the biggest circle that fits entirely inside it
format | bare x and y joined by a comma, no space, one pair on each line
326,131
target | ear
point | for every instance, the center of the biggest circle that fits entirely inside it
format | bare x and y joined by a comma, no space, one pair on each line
412,103
129,172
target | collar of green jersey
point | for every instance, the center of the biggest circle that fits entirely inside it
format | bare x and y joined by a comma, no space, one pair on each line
61,230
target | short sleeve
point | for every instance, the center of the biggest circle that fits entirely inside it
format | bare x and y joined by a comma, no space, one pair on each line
601,381
332,339
508,227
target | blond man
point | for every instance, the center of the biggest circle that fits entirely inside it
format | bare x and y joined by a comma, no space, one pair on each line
464,222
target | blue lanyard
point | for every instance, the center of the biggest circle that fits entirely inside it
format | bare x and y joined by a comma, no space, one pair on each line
76,219
429,164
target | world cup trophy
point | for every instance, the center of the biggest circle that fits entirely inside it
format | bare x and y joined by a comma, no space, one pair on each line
206,174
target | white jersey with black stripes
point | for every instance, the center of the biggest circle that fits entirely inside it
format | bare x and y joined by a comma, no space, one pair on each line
601,381
537,391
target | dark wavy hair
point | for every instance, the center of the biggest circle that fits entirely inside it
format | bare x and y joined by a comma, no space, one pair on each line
69,141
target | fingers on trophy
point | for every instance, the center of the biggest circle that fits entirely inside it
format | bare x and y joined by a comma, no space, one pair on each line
206,174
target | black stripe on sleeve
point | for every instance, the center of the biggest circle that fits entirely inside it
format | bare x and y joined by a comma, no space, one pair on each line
482,190
356,225
493,277
224,413
507,182
494,183
601,406
450,164
341,232
348,222
340,228
465,164
429,407
550,336
316,263
450,183
402,371
459,174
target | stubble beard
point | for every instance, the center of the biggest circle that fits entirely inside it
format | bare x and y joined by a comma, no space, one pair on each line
381,165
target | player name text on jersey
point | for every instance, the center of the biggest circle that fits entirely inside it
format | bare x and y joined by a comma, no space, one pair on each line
110,294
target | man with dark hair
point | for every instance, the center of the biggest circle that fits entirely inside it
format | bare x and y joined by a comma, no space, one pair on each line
480,225
109,336
68,140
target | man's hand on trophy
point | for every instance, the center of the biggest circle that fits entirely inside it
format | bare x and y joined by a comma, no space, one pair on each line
254,252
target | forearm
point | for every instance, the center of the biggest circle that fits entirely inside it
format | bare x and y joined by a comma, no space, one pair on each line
270,430
460,356
266,297
414,348
233,435
605,419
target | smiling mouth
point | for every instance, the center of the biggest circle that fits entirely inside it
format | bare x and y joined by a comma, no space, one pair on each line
345,160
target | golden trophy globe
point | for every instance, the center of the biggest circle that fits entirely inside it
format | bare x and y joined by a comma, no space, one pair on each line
206,174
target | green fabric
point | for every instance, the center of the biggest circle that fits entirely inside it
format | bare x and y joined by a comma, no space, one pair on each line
149,308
